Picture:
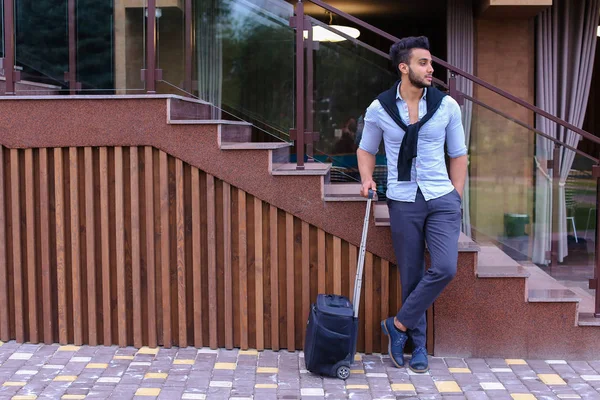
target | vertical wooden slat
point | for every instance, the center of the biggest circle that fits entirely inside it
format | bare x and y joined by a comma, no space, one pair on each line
47,319
16,235
305,272
430,330
274,278
150,254
289,269
337,265
75,247
212,261
353,261
368,289
322,261
31,247
243,265
120,247
258,274
385,298
197,258
4,311
181,276
104,235
90,235
227,272
61,271
165,249
136,268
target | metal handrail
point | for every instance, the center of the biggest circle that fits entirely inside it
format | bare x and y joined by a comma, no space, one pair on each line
462,73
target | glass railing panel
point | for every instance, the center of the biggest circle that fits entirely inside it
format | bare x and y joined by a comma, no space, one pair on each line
243,61
577,240
110,50
347,78
42,42
170,44
101,41
500,199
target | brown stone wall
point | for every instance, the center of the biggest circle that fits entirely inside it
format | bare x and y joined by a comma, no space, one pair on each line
502,151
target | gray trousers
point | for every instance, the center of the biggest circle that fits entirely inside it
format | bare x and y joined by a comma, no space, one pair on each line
436,222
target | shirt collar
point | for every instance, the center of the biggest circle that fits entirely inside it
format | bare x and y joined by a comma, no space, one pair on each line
399,97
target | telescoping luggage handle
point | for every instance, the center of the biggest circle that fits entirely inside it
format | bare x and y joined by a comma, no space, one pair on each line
361,256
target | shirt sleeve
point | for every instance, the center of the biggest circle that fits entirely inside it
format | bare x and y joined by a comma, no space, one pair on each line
372,132
455,133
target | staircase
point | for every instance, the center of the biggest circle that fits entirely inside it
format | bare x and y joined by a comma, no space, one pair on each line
495,307
492,308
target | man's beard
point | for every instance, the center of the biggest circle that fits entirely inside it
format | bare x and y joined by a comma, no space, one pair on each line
412,77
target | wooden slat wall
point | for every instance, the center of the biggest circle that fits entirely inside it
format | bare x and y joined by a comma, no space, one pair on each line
130,246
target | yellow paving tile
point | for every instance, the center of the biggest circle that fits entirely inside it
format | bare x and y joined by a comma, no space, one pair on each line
224,365
68,348
147,350
447,387
73,396
357,357
357,386
515,361
183,362
522,396
265,386
357,371
459,370
251,352
403,387
14,383
552,379
24,397
267,370
123,357
97,366
65,378
147,392
156,375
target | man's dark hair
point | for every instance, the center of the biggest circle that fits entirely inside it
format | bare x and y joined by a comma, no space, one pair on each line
400,52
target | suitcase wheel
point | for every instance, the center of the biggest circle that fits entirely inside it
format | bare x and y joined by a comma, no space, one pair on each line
343,372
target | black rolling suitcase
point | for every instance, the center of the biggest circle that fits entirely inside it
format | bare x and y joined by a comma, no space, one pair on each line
332,330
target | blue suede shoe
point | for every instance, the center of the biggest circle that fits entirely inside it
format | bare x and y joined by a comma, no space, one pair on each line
396,341
419,362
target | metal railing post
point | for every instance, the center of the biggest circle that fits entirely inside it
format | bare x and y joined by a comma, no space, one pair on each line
309,92
8,63
298,133
555,204
151,74
71,74
595,282
189,47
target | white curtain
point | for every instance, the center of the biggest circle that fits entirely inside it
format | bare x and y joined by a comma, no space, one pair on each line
460,54
210,53
566,45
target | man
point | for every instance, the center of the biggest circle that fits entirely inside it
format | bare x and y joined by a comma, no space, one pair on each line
416,121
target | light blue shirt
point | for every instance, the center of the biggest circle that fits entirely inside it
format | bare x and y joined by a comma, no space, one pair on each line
428,170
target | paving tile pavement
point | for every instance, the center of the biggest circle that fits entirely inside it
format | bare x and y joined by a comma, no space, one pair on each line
30,371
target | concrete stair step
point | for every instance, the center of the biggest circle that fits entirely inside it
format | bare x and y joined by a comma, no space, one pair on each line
494,263
313,169
552,296
254,145
343,192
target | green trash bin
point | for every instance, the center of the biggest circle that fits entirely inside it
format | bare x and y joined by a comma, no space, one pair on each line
514,224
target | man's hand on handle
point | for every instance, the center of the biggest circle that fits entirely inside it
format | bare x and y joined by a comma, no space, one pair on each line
365,186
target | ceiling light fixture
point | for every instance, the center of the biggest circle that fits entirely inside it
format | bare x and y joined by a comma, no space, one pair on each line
321,34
